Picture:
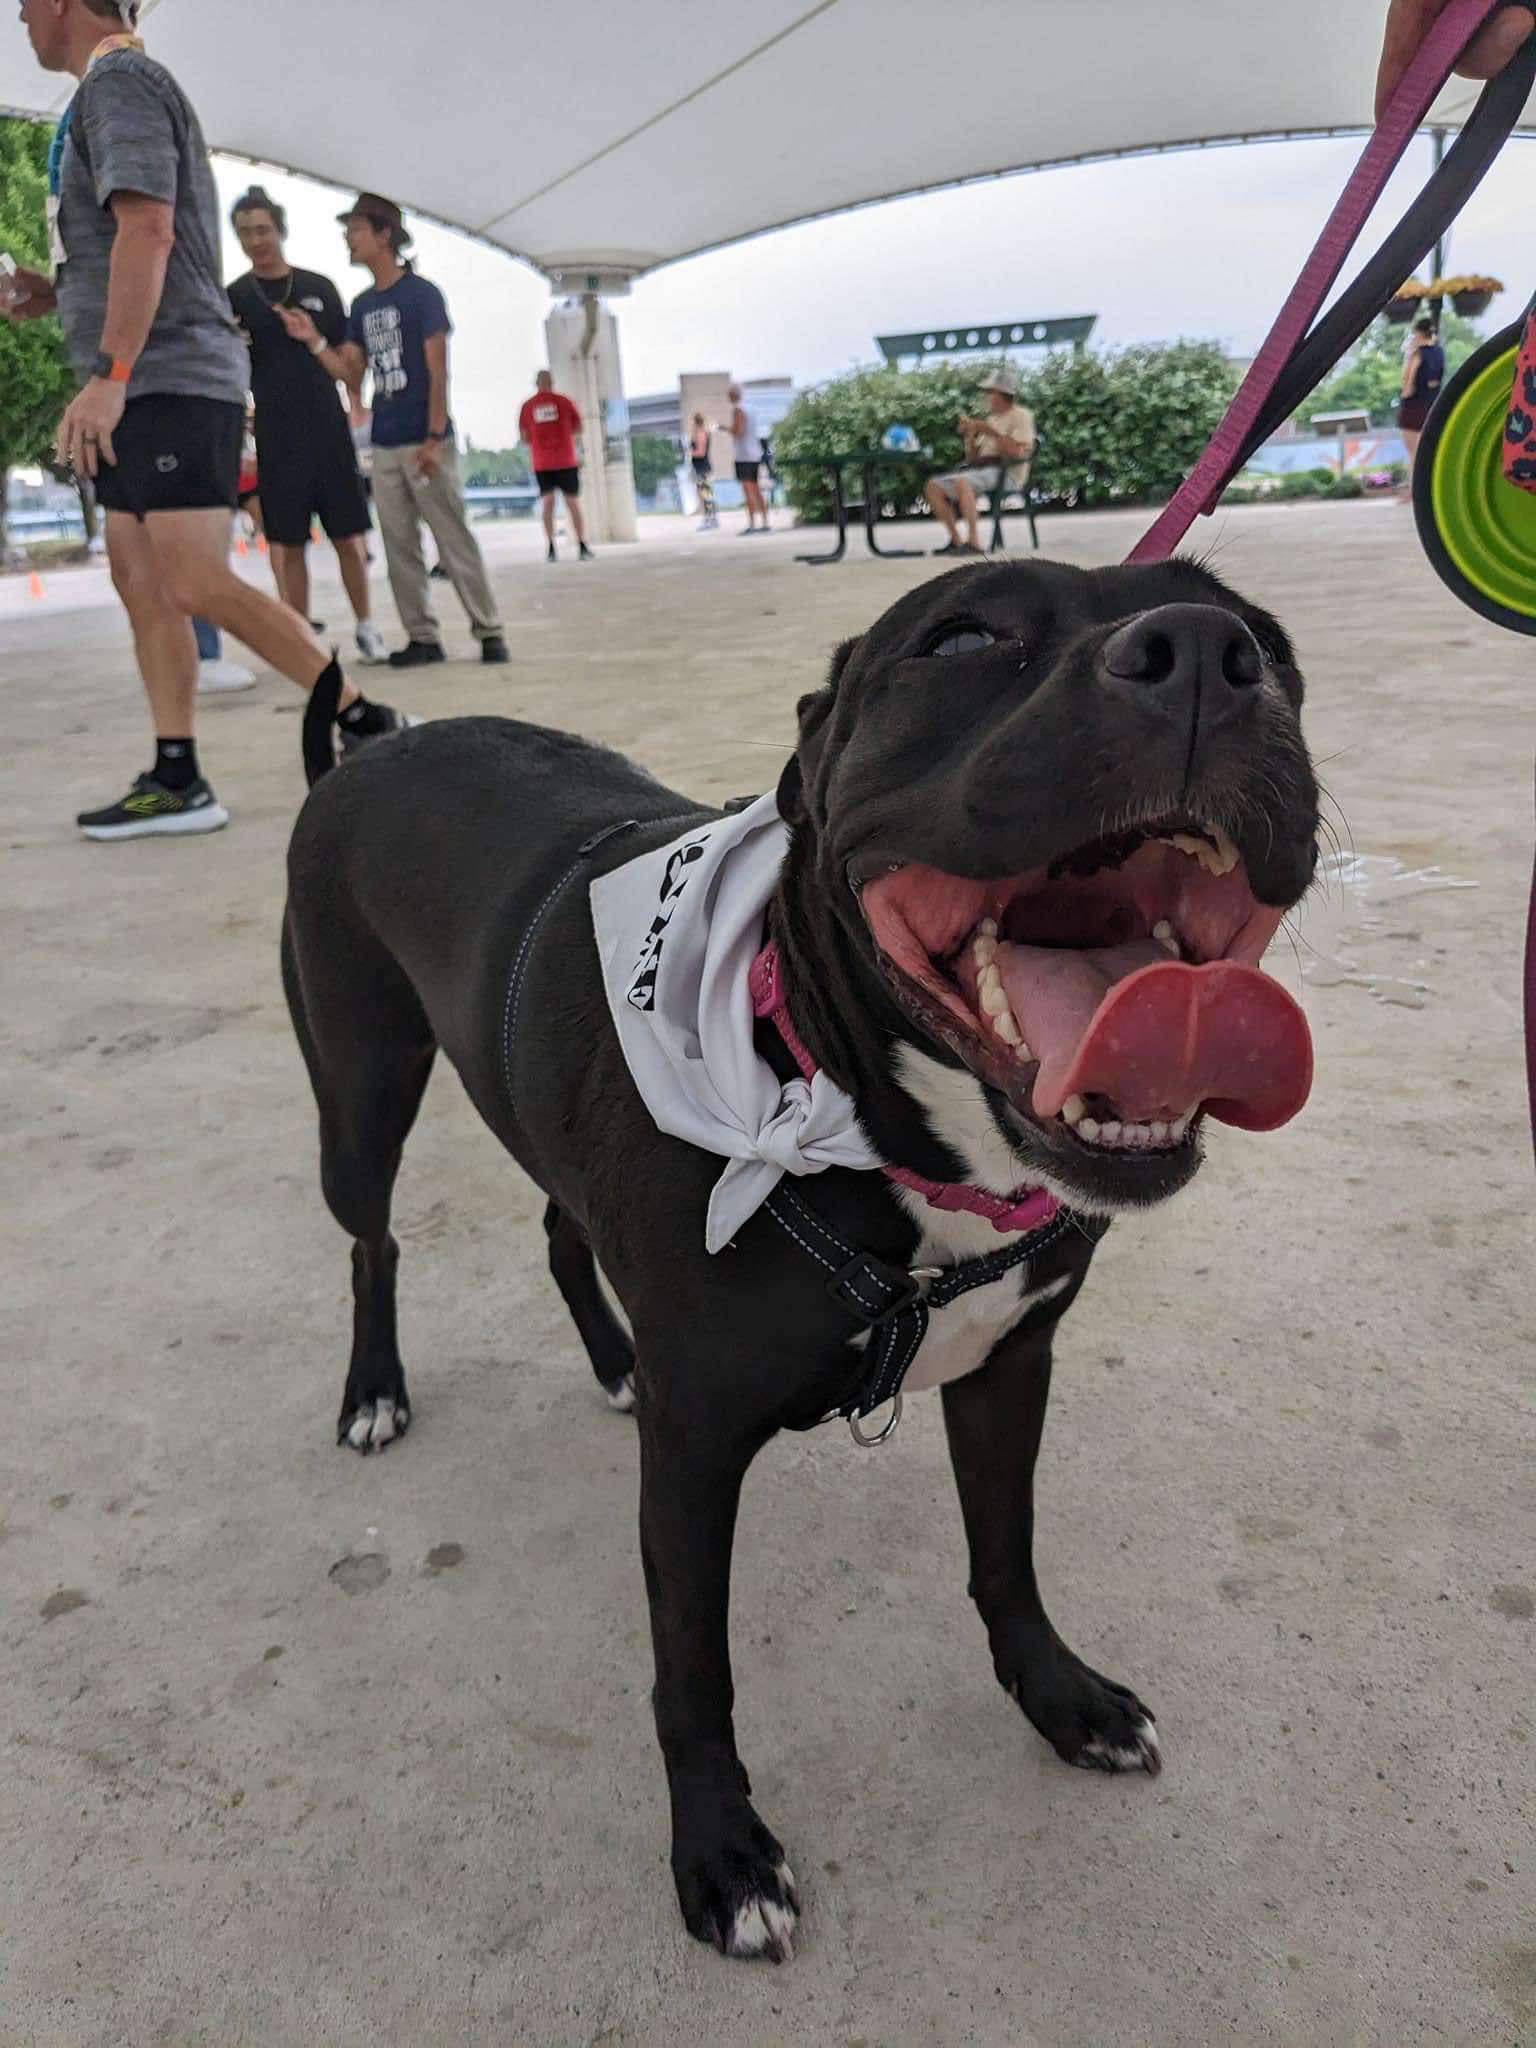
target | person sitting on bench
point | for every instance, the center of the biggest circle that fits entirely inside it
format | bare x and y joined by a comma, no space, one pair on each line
1004,439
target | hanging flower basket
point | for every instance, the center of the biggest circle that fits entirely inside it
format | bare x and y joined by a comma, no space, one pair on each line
1404,303
1469,295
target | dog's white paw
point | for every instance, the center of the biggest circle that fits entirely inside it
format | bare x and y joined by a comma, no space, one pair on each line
1143,1753
622,1397
765,1926
375,1424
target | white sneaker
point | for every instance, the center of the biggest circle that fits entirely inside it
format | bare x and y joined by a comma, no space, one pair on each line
214,676
370,644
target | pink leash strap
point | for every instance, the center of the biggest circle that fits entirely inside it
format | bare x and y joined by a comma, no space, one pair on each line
1025,1209
1426,75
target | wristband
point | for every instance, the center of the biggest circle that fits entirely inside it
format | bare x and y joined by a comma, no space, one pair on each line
319,346
112,368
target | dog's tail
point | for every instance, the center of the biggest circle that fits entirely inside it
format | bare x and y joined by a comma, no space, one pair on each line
320,723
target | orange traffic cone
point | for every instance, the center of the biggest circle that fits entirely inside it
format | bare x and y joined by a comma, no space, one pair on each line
34,585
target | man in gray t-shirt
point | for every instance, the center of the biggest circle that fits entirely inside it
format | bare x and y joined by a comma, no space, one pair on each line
160,416
131,129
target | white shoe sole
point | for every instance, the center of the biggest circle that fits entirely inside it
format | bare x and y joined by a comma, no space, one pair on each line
224,688
179,824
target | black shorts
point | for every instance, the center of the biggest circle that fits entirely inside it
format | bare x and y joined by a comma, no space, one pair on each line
1414,412
567,480
702,465
748,472
305,477
174,454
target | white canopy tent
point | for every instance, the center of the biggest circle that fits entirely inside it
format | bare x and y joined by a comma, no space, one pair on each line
616,135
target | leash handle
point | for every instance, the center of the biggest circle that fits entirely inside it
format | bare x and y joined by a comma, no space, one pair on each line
1225,452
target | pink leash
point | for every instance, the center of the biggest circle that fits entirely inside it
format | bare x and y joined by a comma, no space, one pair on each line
1421,84
1024,1209
1224,454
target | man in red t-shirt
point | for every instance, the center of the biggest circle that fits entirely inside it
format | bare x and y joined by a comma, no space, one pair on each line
549,423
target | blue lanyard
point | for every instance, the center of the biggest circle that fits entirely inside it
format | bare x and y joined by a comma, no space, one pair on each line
56,151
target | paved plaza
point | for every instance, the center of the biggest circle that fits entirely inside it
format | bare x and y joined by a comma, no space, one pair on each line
301,1751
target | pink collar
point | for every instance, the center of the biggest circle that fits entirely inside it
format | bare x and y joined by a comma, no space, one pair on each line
1024,1209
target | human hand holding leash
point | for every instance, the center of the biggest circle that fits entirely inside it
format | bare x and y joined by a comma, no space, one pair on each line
1409,22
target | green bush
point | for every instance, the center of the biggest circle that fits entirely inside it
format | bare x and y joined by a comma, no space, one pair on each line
652,457
849,415
1344,487
1116,426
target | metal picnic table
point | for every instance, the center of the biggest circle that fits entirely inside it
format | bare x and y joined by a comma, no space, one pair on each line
867,462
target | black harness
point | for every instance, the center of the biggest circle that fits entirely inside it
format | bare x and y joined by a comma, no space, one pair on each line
893,1303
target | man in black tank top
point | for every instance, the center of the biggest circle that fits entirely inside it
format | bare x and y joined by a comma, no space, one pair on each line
304,450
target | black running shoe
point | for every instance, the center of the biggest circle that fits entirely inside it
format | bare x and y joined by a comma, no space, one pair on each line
494,649
395,721
587,554
417,654
150,810
551,556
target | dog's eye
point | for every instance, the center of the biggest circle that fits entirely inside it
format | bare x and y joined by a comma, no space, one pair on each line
964,640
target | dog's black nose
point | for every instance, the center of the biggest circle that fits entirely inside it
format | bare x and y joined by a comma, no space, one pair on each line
1181,652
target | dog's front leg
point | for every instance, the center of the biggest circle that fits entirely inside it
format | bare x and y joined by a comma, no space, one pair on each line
733,1883
994,1419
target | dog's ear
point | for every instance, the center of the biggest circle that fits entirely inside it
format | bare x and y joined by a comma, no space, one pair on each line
835,668
812,711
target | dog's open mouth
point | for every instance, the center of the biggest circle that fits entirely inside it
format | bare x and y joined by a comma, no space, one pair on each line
1115,995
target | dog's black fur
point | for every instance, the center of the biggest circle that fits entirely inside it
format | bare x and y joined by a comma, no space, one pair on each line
417,872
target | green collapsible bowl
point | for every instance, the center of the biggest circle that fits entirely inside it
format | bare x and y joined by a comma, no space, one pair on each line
1478,529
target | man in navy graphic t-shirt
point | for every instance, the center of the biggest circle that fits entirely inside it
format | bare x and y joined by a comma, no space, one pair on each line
397,334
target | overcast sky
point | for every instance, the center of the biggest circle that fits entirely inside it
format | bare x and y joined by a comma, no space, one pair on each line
1202,243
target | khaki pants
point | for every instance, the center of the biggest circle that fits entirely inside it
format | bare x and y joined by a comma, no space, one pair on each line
404,500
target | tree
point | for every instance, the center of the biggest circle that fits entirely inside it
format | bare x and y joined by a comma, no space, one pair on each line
1370,378
1116,426
652,457
484,467
36,382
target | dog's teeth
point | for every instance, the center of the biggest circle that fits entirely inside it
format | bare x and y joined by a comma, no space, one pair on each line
990,989
1109,1134
1006,1029
1177,1129
1074,1109
988,927
984,952
1227,855
1159,1134
1166,936
1087,1128
1022,1053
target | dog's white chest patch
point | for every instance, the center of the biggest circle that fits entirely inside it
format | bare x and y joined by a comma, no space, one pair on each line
962,1334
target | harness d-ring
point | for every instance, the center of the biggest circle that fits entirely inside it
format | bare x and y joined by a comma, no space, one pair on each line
870,1443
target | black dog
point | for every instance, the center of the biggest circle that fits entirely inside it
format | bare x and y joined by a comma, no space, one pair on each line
1037,781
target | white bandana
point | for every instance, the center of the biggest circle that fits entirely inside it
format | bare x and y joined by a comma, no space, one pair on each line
677,932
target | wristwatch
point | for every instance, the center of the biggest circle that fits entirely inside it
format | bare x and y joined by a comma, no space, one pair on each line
112,368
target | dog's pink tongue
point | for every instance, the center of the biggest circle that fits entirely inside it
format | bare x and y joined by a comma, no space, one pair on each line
1163,1037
